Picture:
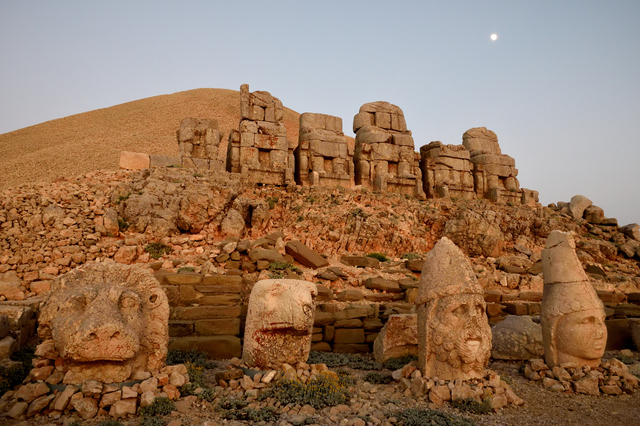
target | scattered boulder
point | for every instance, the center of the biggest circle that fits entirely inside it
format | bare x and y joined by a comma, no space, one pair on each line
517,337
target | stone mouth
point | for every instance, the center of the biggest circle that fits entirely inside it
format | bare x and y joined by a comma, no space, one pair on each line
473,343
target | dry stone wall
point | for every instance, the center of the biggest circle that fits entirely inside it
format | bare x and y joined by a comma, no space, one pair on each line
199,144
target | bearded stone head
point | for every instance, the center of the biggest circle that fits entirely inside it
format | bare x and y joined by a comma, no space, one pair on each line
107,321
454,337
279,323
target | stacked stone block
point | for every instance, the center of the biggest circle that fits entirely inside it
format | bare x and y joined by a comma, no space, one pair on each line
494,173
384,156
322,155
447,171
259,150
199,144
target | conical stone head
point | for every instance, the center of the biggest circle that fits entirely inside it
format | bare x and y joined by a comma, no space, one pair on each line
454,337
572,317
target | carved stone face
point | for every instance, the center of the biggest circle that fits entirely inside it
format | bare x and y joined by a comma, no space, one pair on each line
279,323
459,337
107,317
581,335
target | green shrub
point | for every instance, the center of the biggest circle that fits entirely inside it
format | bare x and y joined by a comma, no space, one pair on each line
159,407
192,356
417,417
377,378
625,359
153,421
326,389
330,359
123,225
472,406
186,269
156,250
303,422
358,362
381,257
272,201
122,198
397,363
276,267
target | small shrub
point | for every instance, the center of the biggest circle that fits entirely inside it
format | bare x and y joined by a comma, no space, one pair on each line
123,198
123,225
472,406
186,269
377,378
153,421
159,407
363,363
411,256
272,201
625,359
231,405
345,377
156,250
192,356
276,267
277,276
381,257
264,414
399,362
197,175
303,422
417,417
207,394
324,390
330,359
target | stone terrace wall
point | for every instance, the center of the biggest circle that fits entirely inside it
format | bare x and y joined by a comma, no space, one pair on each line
446,171
199,144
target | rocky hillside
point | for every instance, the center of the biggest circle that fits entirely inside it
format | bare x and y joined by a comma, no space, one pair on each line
93,140
47,229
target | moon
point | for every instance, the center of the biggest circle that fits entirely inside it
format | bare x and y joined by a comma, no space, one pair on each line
494,37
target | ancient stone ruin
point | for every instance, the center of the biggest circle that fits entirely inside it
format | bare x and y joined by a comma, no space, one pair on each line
384,156
259,149
279,324
323,156
447,171
572,316
199,144
106,321
454,337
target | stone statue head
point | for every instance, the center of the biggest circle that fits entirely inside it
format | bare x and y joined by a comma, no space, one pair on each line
107,314
454,337
572,317
279,323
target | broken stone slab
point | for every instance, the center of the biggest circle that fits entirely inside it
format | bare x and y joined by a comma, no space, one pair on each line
381,284
18,316
398,337
360,261
632,231
257,254
134,160
304,255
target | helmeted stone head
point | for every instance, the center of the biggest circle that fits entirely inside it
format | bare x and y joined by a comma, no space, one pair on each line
279,323
454,337
108,318
572,317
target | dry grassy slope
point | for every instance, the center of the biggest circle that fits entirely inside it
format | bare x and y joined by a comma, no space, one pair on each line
93,140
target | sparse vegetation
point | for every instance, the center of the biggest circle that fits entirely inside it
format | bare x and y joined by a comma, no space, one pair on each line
327,389
411,256
377,378
153,421
272,201
399,362
123,225
122,198
417,417
157,250
472,406
186,269
380,256
332,360
159,407
192,356
109,422
276,267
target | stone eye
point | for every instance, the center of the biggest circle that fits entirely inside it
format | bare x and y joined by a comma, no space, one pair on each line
460,310
588,320
306,309
129,301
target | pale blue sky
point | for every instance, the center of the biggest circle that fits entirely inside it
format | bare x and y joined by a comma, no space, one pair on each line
560,86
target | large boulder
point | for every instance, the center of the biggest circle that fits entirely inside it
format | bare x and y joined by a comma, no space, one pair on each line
398,337
578,204
517,337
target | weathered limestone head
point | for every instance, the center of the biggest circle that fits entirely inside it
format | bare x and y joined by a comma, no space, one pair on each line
454,337
279,323
572,317
109,317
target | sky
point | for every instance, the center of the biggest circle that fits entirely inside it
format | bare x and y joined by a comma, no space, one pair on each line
560,86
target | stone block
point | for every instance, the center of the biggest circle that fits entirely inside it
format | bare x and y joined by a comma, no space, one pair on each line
354,312
323,318
213,327
382,119
17,316
133,160
372,135
403,140
414,265
351,348
223,299
222,284
183,279
349,335
205,312
321,347
305,255
381,284
360,261
217,347
180,328
362,119
515,308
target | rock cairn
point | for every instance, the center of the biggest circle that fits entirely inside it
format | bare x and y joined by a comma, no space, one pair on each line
199,144
611,377
384,157
259,149
44,394
323,156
